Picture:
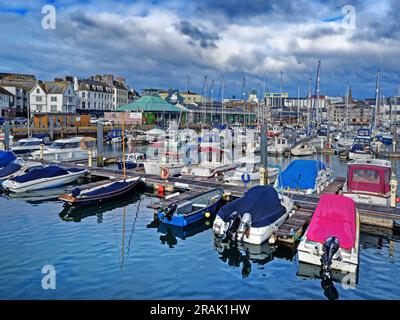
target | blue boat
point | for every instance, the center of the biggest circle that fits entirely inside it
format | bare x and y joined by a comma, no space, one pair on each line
99,193
304,177
6,157
192,209
114,136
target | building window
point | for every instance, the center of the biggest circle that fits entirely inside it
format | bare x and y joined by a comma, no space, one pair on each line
53,108
37,90
53,99
83,94
83,105
38,99
39,108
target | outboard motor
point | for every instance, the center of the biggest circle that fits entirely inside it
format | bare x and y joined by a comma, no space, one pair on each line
233,226
330,247
245,224
169,211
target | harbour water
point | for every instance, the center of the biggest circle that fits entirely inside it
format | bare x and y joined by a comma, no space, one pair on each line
117,252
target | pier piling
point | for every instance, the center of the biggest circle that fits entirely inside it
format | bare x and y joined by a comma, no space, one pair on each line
6,135
100,160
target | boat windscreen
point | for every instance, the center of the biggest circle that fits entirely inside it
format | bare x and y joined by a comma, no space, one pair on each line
369,179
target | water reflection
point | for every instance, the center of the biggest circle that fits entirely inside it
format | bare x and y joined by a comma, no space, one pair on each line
240,254
170,234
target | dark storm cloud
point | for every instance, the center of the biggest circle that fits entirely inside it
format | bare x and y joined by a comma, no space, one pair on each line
204,37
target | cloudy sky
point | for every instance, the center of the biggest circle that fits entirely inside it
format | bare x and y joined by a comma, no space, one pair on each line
164,43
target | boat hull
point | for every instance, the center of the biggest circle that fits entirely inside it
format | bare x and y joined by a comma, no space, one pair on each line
153,167
45,183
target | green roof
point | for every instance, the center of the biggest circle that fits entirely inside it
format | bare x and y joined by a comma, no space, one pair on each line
150,104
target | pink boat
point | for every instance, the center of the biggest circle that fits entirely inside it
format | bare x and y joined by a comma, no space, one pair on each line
332,238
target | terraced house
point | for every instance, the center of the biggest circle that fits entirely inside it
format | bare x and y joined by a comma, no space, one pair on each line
93,94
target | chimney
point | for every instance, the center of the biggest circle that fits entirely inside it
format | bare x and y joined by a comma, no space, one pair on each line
76,84
109,79
120,80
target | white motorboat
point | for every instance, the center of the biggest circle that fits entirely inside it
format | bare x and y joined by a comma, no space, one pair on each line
72,149
27,145
43,178
303,149
304,177
332,238
169,162
361,149
253,217
278,146
368,181
155,135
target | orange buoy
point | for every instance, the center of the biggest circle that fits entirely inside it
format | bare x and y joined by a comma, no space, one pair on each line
164,173
161,191
398,199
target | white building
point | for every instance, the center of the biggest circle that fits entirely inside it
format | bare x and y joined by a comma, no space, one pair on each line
93,94
120,90
6,101
53,97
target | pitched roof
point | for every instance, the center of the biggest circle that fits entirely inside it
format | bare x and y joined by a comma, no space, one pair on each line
91,82
56,87
4,91
150,104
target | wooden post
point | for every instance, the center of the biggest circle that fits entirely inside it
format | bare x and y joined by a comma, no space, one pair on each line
41,151
90,158
393,191
100,160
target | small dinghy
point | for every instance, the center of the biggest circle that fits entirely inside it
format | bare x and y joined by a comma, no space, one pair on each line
303,149
191,210
332,238
99,193
43,178
253,217
304,177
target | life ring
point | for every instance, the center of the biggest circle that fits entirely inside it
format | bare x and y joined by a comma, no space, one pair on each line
245,178
164,173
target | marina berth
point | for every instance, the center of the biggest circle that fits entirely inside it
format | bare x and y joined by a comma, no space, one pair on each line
332,238
304,177
253,217
99,194
43,178
192,209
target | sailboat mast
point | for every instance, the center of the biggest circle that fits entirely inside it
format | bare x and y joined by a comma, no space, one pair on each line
374,123
123,145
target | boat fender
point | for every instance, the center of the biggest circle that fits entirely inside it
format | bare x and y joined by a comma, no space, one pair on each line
164,173
330,247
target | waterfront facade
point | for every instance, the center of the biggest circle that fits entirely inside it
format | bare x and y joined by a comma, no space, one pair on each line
6,101
53,97
93,94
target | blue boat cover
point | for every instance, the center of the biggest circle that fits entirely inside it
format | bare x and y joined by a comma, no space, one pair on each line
40,135
300,174
6,157
105,190
9,169
47,172
262,202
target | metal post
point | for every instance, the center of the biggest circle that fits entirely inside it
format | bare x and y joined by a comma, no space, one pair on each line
90,158
6,135
100,162
264,154
41,150
51,127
